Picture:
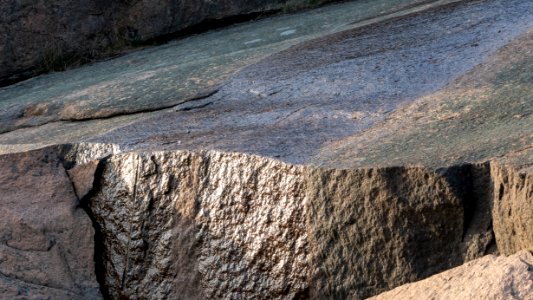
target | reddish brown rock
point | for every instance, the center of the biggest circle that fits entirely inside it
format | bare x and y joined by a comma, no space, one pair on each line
82,177
46,239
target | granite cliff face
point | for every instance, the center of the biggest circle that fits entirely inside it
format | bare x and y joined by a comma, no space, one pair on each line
344,162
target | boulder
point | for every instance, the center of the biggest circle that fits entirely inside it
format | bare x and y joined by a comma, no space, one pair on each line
490,277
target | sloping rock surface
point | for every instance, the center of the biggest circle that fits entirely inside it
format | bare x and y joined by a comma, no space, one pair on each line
174,73
489,277
41,34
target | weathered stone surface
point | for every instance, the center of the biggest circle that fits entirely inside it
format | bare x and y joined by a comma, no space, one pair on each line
481,115
224,225
512,209
177,72
489,277
46,239
324,114
341,167
82,177
234,225
43,34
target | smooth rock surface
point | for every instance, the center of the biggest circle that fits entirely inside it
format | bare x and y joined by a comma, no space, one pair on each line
46,239
353,106
182,70
489,277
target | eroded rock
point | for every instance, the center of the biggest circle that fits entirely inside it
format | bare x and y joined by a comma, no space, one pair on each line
82,177
46,239
341,167
512,209
230,225
44,36
182,70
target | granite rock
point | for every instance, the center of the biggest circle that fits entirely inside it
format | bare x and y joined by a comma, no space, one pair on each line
39,36
490,277
342,163
46,239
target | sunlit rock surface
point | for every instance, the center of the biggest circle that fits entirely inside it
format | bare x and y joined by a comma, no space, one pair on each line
336,153
489,277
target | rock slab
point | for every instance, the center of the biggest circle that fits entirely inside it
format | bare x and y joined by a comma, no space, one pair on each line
40,35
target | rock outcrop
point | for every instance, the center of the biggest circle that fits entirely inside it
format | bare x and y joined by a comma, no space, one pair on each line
490,277
243,226
181,71
37,36
228,225
378,154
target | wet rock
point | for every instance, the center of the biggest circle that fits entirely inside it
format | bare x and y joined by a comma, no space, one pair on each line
490,277
46,239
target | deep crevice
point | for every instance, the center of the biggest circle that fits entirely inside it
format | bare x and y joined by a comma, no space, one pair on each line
99,247
491,247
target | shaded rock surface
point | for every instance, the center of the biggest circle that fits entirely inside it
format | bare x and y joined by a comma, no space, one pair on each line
490,277
40,35
46,239
378,154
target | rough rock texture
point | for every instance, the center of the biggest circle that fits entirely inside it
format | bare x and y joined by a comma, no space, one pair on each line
512,209
224,225
46,239
82,177
372,229
341,167
489,277
42,34
232,225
